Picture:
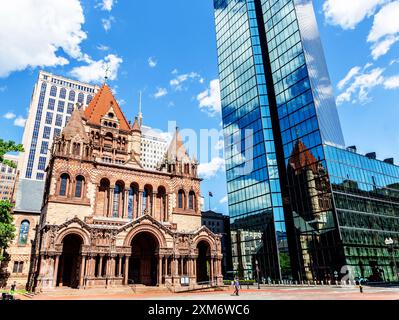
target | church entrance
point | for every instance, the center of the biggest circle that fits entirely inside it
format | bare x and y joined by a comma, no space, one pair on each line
203,262
70,261
143,264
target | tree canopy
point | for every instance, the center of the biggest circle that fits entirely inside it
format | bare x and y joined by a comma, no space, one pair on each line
9,146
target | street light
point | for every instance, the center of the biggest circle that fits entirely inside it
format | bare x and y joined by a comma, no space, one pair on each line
257,273
390,242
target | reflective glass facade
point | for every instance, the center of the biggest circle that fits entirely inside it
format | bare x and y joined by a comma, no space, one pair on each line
275,89
366,196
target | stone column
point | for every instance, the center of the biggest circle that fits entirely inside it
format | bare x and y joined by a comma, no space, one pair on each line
126,272
120,266
195,268
111,202
55,274
211,269
166,266
82,271
126,205
140,202
61,271
160,271
100,267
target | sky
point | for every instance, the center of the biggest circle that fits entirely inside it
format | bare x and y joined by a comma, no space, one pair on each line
167,50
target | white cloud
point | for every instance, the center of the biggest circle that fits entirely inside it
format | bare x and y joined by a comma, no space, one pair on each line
175,71
348,14
106,5
33,31
381,48
210,100
363,82
223,200
20,122
392,82
95,70
353,72
177,82
9,115
160,93
107,23
152,62
211,169
386,22
102,47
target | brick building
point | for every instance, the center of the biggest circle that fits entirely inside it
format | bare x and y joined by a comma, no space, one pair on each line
107,221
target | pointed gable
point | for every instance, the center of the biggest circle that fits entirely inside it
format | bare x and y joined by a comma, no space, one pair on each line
302,158
75,127
176,150
103,101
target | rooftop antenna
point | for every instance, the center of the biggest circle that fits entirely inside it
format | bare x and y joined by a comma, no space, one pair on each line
140,115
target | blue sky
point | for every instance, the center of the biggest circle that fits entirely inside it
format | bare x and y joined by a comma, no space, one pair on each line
167,50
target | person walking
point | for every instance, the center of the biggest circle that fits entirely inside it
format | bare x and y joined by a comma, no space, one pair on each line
237,287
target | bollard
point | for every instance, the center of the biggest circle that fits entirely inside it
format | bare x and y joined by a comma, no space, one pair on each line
361,288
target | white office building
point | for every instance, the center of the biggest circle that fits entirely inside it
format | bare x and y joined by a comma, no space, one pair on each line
153,147
52,103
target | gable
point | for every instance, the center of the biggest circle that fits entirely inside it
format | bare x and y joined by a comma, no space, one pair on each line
103,101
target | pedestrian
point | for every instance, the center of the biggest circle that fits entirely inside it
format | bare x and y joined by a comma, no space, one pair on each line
13,287
237,287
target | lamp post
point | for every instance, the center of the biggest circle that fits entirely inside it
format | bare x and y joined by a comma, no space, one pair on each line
257,273
390,242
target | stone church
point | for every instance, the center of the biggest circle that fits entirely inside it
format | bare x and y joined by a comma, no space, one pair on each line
107,221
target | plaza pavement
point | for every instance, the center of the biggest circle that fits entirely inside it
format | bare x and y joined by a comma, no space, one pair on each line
268,293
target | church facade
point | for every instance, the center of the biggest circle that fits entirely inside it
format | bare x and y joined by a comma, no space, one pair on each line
107,221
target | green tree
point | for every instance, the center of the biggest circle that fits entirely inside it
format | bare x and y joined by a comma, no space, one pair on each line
9,146
7,228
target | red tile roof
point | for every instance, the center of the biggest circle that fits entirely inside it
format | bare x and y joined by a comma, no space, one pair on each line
99,106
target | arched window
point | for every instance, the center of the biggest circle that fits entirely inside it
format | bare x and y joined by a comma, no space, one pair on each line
79,186
64,185
72,96
81,97
88,99
117,198
181,199
146,208
62,93
23,232
76,149
132,191
191,200
53,91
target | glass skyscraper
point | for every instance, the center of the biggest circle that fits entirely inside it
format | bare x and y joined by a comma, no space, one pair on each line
275,89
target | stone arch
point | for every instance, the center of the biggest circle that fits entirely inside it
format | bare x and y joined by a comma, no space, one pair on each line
73,231
205,238
142,228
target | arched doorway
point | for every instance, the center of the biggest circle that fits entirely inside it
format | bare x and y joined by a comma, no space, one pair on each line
70,261
203,261
143,264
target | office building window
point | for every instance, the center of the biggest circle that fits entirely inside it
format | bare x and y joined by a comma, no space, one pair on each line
51,104
81,97
49,118
70,108
58,120
53,91
61,106
46,133
44,148
72,96
42,164
62,93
